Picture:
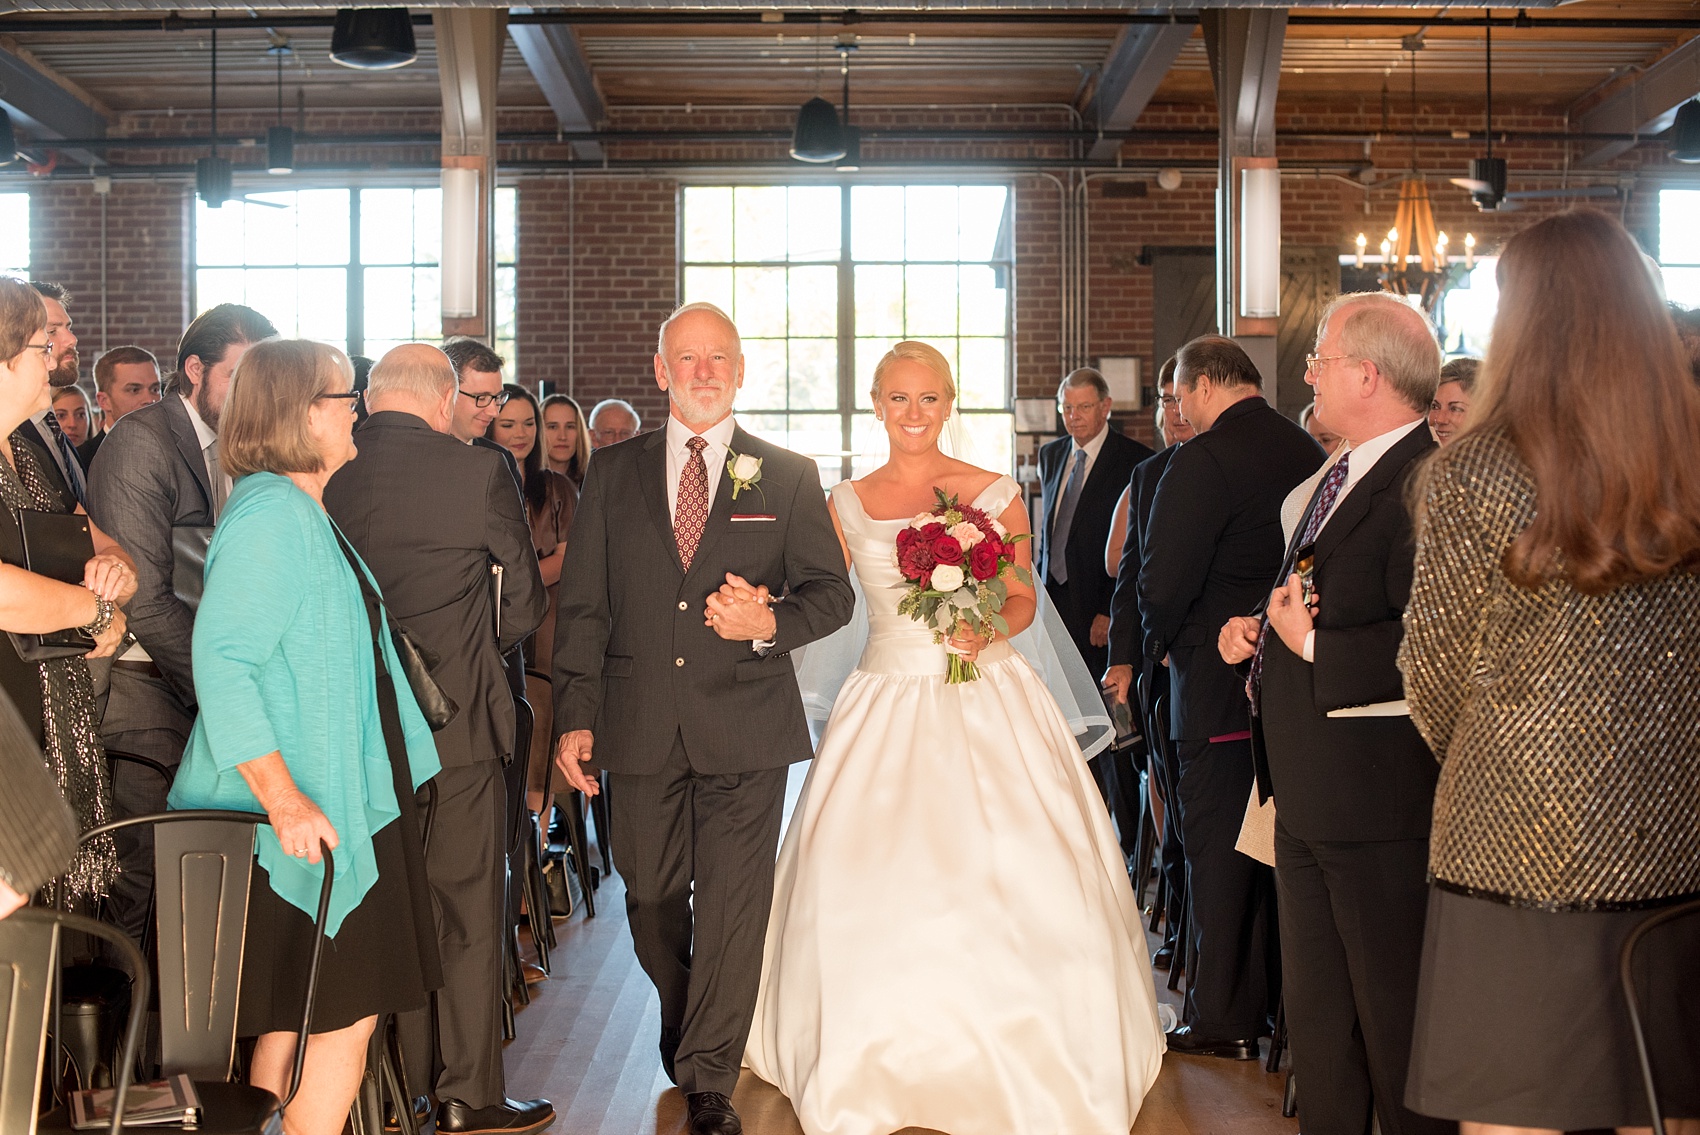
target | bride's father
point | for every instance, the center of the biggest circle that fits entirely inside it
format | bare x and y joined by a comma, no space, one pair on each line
694,711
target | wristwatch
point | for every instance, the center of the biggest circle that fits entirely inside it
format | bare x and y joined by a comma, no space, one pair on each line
104,613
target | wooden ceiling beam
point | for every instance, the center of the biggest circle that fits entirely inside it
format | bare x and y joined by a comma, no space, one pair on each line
564,75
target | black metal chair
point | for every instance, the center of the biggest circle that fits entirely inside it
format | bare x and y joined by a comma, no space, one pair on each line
202,868
578,847
1632,1000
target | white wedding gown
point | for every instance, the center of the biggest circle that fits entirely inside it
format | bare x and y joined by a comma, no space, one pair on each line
954,942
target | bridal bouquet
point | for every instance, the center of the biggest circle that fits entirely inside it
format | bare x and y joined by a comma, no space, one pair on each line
955,558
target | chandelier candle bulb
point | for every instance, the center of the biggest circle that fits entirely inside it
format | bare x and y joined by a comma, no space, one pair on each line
1469,251
1361,242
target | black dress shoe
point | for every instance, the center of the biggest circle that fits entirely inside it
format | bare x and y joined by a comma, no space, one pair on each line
670,1039
1164,957
712,1114
421,1109
510,1117
1184,1040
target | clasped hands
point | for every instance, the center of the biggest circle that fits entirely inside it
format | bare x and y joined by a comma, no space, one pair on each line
1288,615
112,578
739,611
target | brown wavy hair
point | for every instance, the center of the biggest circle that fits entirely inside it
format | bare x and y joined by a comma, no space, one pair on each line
22,314
1586,378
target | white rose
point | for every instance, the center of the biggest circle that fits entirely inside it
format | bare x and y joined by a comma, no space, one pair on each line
923,520
947,578
999,529
967,534
746,468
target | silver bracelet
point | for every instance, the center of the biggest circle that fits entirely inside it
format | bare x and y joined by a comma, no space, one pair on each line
104,614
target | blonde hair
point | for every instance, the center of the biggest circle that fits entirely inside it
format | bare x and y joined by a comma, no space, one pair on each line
263,428
915,351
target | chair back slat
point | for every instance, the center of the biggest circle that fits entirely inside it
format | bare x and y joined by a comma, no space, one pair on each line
27,950
202,870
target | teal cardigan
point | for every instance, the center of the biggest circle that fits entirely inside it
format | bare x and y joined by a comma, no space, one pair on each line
283,663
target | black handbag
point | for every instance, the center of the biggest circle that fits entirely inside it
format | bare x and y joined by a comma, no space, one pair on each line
57,545
417,662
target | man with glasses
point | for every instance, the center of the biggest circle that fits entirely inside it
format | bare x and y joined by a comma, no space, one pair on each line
157,492
1211,546
429,515
612,420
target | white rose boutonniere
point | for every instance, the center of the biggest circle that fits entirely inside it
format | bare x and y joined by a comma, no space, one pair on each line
745,471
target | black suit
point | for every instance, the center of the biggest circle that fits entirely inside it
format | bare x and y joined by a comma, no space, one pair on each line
153,481
1086,595
87,450
1151,688
48,459
1213,545
429,515
1353,802
695,731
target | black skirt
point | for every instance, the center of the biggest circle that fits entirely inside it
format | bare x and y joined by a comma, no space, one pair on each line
1521,1018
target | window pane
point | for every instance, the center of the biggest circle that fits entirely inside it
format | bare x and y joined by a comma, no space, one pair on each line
759,220
815,216
814,374
268,235
981,221
214,286
1679,226
507,225
708,223
814,301
818,436
427,226
876,222
980,382
1682,285
386,226
768,427
868,354
710,285
989,441
985,306
759,306
15,232
930,222
321,221
764,375
930,307
389,305
507,310
879,299
322,304
218,234
868,438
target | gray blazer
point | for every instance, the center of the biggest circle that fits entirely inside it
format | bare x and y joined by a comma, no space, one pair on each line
152,480
634,661
429,515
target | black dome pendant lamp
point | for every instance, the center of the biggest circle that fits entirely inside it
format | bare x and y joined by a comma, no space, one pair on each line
373,39
819,138
280,139
1685,132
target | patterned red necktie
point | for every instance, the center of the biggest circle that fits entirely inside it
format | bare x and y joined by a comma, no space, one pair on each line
1326,494
690,513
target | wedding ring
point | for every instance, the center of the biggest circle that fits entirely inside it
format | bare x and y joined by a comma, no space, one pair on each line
715,617
301,853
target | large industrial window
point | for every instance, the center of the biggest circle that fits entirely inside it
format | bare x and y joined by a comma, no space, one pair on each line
355,267
822,280
1679,244
15,234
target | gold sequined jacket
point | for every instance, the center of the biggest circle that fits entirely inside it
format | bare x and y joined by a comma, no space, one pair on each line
1567,725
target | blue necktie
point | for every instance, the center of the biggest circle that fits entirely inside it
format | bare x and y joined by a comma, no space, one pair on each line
1063,519
69,465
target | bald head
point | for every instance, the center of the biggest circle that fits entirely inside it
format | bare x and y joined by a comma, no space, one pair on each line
417,379
1376,368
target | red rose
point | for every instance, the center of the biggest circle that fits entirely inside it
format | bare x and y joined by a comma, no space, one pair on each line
933,531
983,561
906,539
916,561
945,549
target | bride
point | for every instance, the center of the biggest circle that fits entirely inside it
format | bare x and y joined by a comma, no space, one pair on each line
954,943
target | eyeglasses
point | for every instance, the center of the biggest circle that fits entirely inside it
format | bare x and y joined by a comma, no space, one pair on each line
1169,400
609,437
482,400
355,398
1314,362
46,349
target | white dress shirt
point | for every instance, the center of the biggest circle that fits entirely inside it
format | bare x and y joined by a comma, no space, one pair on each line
1363,460
1092,449
719,438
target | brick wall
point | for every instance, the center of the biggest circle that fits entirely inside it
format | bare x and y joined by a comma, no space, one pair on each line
598,259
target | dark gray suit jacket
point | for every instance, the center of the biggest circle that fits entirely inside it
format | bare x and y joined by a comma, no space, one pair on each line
153,479
634,661
429,514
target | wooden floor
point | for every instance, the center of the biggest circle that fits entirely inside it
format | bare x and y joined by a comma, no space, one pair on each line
587,1042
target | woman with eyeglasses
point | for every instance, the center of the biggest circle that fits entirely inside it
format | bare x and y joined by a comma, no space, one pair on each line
305,715
55,697
566,438
550,501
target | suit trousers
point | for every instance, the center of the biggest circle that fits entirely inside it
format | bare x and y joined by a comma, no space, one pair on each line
143,716
1165,780
453,1046
1228,989
696,853
1352,942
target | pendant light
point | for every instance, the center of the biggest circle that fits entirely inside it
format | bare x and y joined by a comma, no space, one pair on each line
373,39
1685,132
212,173
8,140
818,137
280,139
